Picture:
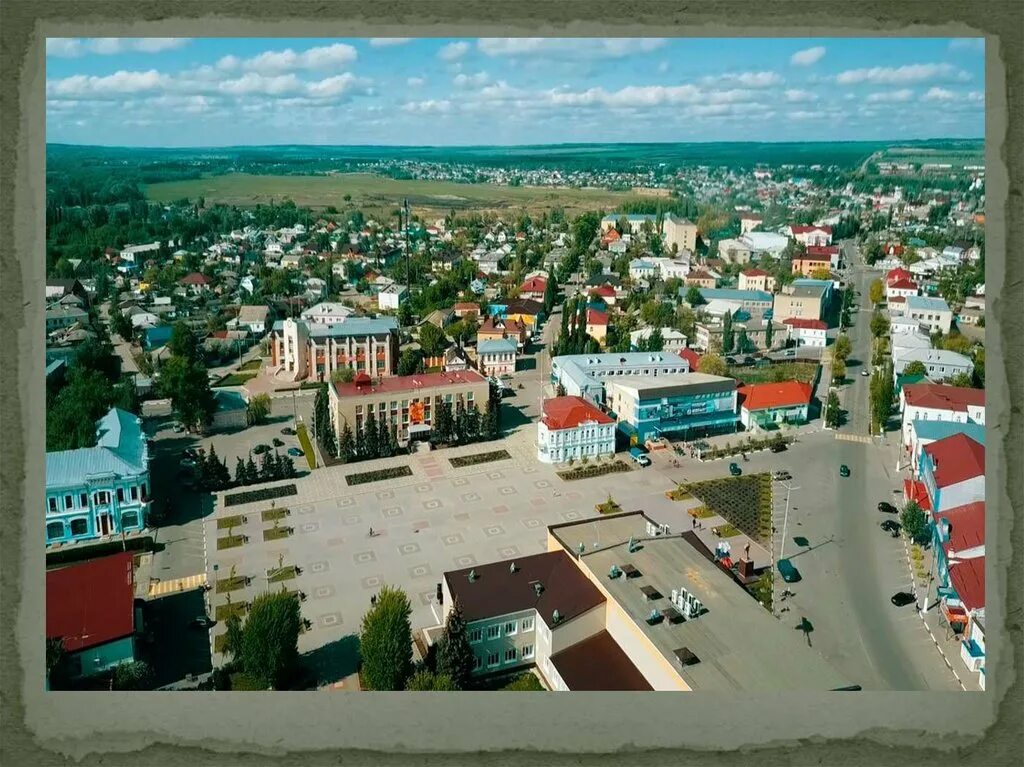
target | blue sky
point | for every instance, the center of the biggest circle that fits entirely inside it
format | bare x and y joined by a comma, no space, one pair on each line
400,91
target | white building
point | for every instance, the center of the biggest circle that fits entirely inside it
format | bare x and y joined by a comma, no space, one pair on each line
939,364
327,313
674,341
807,332
392,296
573,427
936,402
497,356
933,312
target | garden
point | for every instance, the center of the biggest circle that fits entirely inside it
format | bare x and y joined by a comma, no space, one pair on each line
393,472
230,542
474,460
608,507
744,502
263,494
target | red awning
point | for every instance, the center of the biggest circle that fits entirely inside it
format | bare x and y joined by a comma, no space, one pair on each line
917,492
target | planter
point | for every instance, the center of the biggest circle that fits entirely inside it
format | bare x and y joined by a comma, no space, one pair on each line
376,476
263,494
474,460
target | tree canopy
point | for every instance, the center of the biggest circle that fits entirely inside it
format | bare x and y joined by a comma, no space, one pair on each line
385,641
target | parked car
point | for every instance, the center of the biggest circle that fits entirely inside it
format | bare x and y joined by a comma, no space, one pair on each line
259,449
778,447
887,508
278,442
730,360
288,431
295,451
781,475
749,360
788,571
735,469
187,463
844,470
903,598
891,526
865,372
177,428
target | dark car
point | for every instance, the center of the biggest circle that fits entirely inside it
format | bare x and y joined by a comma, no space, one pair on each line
844,470
778,447
887,508
288,431
903,598
788,571
730,360
891,526
278,442
749,360
260,449
735,470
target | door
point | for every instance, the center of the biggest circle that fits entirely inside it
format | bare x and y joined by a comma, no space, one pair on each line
104,524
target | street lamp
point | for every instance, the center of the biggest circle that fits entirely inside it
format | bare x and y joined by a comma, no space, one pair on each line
785,519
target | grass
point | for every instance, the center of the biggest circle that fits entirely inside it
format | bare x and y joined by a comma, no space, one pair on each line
371,192
473,460
609,507
263,494
269,515
230,542
226,523
524,683
225,585
278,574
784,371
727,531
679,494
309,385
226,611
701,512
241,682
376,476
251,365
219,641
236,379
276,533
593,470
307,446
744,502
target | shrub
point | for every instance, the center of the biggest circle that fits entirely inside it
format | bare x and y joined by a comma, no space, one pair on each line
263,494
376,476
473,460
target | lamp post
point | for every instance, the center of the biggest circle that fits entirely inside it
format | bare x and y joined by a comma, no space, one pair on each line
785,519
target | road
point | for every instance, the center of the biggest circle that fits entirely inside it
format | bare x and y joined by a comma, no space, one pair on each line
854,395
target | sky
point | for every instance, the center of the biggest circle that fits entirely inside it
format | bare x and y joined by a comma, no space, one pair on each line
204,92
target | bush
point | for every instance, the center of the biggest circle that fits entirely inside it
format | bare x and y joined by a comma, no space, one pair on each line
524,683
473,460
263,494
596,470
376,476
307,446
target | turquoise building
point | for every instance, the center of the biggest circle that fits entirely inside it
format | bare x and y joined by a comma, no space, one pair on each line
687,406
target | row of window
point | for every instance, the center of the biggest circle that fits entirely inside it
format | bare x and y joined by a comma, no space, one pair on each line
573,436
80,526
426,402
510,628
99,498
646,371
511,655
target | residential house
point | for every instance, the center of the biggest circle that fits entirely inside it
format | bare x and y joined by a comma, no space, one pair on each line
800,302
465,308
702,279
254,318
749,222
933,312
327,313
57,289
195,283
643,269
672,340
938,402
902,288
754,302
940,364
753,279
529,313
496,357
533,288
735,251
807,265
606,294
597,325
807,332
767,405
59,317
573,428
455,360
952,471
392,296
440,318
810,235
140,318
680,233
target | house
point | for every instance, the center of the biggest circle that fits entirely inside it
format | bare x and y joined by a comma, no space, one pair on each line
573,428
529,313
752,279
805,302
923,432
158,336
496,357
749,222
701,279
455,360
807,332
642,269
597,325
958,539
195,283
902,288
140,318
533,288
465,308
691,357
248,284
59,317
758,244
896,275
939,364
831,252
606,294
810,235
678,406
938,402
254,318
610,236
392,297
327,313
440,318
933,312
94,492
709,334
672,339
735,251
91,610
315,350
754,302
807,265
231,411
57,289
952,471
767,405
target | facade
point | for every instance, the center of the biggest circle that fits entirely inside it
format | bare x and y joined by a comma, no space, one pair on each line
408,403
900,289
533,288
676,406
799,302
937,402
679,232
701,279
573,427
939,364
673,340
327,313
497,357
231,412
764,244
925,432
708,335
735,251
60,316
749,222
769,405
755,279
95,492
90,608
392,296
254,318
808,265
807,332
642,269
810,235
585,375
952,471
933,312
302,350
528,313
597,325
754,302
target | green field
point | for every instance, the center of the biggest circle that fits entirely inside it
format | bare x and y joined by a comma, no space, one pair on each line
369,192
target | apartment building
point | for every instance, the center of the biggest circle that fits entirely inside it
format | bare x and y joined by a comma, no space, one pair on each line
933,312
302,350
756,279
803,302
585,375
573,427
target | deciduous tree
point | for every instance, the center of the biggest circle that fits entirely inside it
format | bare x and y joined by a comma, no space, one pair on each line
385,641
270,639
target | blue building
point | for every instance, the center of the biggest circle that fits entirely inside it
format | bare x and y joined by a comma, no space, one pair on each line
687,406
95,492
585,375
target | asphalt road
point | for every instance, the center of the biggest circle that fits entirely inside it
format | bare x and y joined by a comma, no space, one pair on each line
854,396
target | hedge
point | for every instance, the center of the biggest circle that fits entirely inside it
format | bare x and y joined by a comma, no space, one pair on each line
263,494
307,446
375,476
478,458
594,470
92,551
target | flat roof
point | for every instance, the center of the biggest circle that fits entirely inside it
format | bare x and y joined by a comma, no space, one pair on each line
598,664
666,385
413,383
91,603
741,646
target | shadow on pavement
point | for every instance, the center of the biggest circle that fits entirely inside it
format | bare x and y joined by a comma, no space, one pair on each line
177,648
332,662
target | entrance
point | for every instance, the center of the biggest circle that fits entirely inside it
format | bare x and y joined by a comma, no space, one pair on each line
104,524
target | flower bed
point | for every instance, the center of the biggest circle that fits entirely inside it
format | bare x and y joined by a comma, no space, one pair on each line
744,502
608,508
473,460
725,531
236,379
276,533
226,523
263,494
376,476
231,584
226,611
701,512
278,574
230,542
269,515
680,493
594,470
307,446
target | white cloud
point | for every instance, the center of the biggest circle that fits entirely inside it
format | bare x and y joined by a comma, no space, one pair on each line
975,44
277,62
646,96
385,42
904,94
333,87
610,47
795,95
471,81
71,47
807,56
416,82
745,79
938,94
910,73
453,51
110,85
253,83
428,107
801,114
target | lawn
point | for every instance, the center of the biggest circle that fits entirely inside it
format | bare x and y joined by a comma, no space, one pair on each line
236,379
251,365
593,470
276,533
263,494
478,458
609,507
744,502
225,611
230,542
783,371
269,515
701,512
225,585
726,531
278,574
307,446
376,476
226,523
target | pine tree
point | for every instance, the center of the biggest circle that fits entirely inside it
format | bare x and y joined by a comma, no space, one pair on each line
240,472
393,440
266,471
383,440
329,441
210,472
461,425
252,474
371,437
224,474
769,334
727,334
455,656
346,445
443,427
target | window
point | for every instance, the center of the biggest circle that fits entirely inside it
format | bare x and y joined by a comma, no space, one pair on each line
53,504
101,498
68,502
527,652
493,632
144,492
493,659
134,493
527,624
510,628
79,527
475,635
478,663
83,500
510,655
54,530
129,519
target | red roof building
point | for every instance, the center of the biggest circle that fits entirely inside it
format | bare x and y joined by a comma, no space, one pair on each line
754,273
968,579
91,603
897,274
769,396
596,318
940,397
916,492
823,251
805,323
533,288
570,412
363,384
691,357
797,229
603,291
903,284
966,528
194,279
955,459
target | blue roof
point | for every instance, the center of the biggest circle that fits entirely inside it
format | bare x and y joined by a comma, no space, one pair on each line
809,283
158,335
927,304
630,217
730,294
120,450
638,263
936,430
496,346
229,400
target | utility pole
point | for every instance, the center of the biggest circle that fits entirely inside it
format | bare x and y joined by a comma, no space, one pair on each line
785,520
408,262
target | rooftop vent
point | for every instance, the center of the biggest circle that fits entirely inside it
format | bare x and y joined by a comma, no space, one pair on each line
472,575
538,587
556,617
512,567
686,656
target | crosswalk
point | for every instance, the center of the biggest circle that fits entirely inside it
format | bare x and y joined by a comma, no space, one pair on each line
187,583
854,438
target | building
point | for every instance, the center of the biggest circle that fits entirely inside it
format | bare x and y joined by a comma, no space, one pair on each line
699,278
805,302
643,269
937,402
597,325
755,279
585,375
574,428
759,244
952,471
903,288
533,288
831,252
735,251
254,319
679,233
392,296
465,308
231,412
749,222
958,536
59,289
408,403
95,492
810,235
709,335
972,651
897,275
497,357
754,302
90,608
672,340
933,312
61,316
301,350
807,332
676,406
939,364
620,616
529,313
768,405
807,265
327,313
195,282
495,329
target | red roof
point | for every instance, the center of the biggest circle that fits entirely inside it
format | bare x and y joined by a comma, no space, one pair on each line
823,250
91,603
412,383
698,274
968,578
893,250
611,234
956,459
534,285
595,317
805,229
466,306
941,397
903,284
966,526
899,273
754,273
805,324
570,412
195,279
772,395
897,299
918,493
691,357
605,291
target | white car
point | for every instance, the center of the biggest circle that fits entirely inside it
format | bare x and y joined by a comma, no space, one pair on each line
865,372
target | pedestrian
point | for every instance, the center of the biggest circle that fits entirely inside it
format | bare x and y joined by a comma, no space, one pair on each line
373,600
694,520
